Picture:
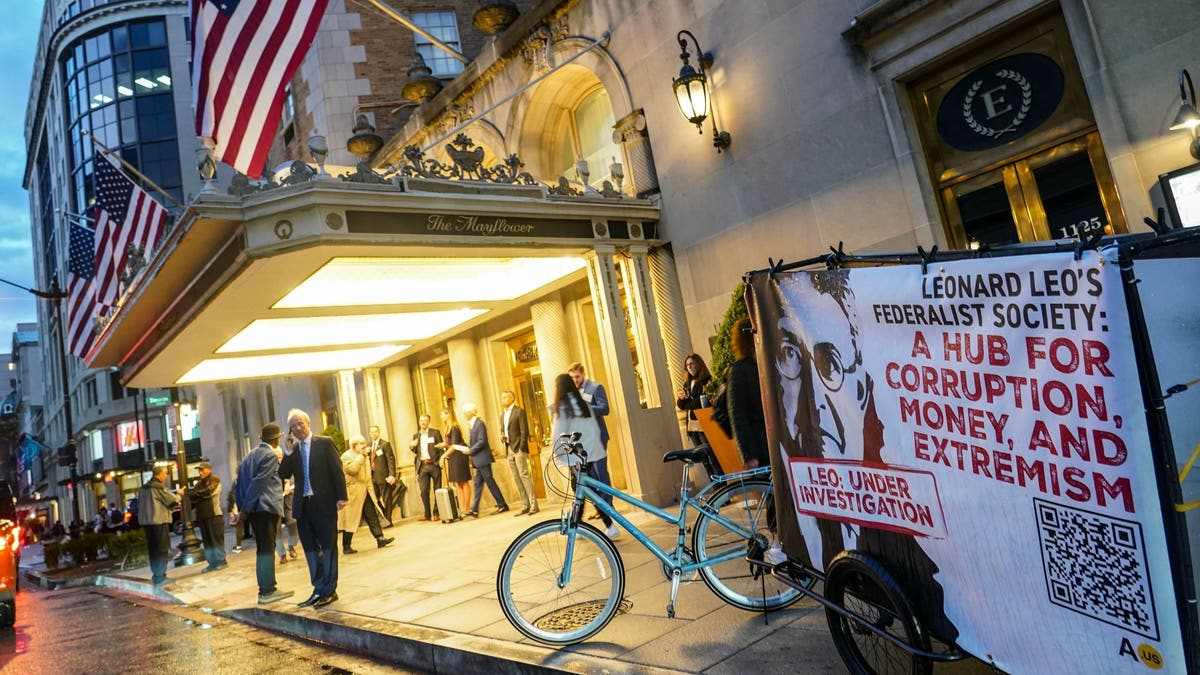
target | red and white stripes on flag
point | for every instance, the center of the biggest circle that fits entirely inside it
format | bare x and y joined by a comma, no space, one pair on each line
81,297
125,216
244,53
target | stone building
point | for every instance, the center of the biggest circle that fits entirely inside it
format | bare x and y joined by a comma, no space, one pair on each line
881,126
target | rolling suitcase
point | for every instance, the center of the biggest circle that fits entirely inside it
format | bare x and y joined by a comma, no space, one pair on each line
447,504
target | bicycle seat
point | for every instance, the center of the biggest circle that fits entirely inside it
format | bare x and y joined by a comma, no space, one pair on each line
696,454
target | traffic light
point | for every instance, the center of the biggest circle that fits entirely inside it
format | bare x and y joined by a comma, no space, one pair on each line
66,455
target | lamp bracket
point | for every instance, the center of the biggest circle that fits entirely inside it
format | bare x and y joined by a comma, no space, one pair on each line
706,60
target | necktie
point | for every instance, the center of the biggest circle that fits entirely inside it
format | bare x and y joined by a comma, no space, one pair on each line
304,457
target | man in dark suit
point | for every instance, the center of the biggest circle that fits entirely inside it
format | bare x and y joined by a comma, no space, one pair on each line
383,474
481,458
426,454
594,395
515,437
320,493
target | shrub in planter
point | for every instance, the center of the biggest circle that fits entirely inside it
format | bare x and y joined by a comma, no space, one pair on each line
91,546
135,542
50,554
722,352
74,548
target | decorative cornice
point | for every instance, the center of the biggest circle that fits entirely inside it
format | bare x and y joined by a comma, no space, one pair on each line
509,46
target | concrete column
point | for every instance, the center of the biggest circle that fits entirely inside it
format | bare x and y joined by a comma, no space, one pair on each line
214,436
376,408
550,330
640,431
401,407
672,321
630,131
464,368
469,379
348,404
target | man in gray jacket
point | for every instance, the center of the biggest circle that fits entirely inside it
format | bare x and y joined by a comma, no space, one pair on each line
259,494
154,515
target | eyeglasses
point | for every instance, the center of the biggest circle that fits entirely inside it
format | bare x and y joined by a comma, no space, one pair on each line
825,357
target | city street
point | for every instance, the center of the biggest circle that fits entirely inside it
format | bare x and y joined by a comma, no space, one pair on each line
93,630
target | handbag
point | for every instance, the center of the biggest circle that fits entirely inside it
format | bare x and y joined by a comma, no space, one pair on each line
693,425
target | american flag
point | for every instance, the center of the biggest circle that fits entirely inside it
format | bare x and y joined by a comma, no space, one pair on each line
125,215
244,53
81,296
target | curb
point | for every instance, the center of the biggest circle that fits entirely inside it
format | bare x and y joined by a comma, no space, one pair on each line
430,649
37,577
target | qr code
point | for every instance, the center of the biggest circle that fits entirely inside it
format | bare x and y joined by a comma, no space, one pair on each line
1096,565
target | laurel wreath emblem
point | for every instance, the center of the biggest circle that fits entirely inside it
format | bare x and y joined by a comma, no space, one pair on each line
1022,111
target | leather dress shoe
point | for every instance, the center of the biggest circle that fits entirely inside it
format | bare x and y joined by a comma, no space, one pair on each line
499,509
322,602
533,511
384,541
349,551
473,514
522,512
312,600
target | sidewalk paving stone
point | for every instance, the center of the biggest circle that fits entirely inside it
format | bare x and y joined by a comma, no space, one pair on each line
429,602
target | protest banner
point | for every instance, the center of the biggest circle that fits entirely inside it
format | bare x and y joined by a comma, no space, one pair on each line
978,427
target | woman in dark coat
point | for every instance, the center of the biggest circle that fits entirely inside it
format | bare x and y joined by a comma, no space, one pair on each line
688,396
745,399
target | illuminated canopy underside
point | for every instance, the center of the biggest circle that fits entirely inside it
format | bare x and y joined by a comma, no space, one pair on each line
306,312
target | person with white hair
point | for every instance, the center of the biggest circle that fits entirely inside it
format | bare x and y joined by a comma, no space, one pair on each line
481,458
361,501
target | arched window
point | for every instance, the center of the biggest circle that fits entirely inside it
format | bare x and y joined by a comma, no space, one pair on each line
585,132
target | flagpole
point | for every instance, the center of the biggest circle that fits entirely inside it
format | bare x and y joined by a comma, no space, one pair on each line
108,151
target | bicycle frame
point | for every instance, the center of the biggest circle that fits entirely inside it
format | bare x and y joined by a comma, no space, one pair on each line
590,489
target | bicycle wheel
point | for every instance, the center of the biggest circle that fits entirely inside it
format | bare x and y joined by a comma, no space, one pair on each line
542,609
858,583
736,581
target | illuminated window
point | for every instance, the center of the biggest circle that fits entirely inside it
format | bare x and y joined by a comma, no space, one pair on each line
118,88
587,132
443,26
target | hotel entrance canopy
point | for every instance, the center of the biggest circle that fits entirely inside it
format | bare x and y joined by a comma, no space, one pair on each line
329,275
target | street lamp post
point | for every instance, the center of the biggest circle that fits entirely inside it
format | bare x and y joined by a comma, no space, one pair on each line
55,295
189,546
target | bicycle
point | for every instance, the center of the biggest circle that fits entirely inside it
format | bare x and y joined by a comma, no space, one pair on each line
562,581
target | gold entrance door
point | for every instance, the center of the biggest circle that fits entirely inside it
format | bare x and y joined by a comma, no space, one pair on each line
527,385
1066,191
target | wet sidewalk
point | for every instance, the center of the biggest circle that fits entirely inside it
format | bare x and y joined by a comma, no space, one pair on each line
428,602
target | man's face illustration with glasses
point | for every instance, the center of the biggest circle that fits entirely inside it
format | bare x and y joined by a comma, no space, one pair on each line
820,367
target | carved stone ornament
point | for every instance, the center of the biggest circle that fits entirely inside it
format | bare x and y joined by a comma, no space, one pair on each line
363,173
466,164
241,186
300,173
537,50
283,229
334,221
494,16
